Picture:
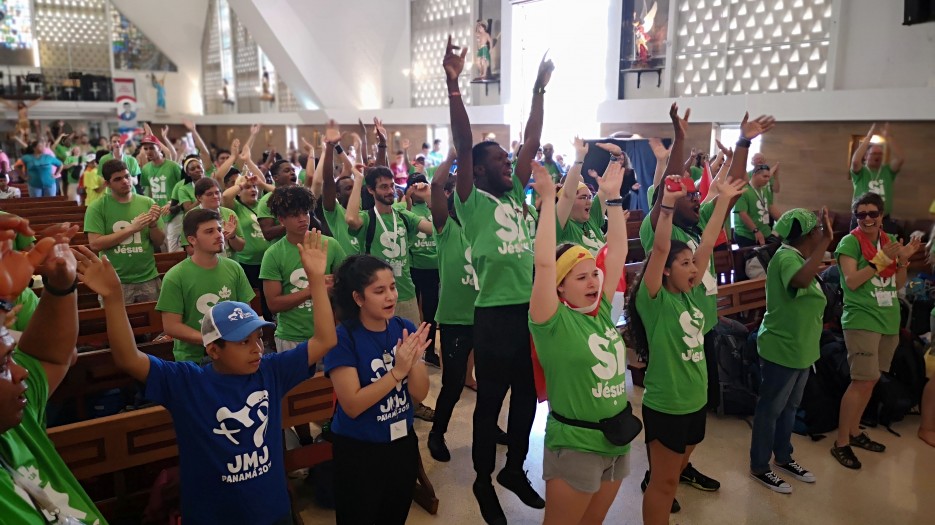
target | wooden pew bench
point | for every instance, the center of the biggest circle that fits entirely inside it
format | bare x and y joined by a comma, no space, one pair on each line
92,324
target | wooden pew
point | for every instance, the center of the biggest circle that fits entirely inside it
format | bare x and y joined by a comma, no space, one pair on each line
92,324
17,207
35,214
741,296
32,200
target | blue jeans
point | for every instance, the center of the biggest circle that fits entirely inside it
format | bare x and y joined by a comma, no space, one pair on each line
43,191
780,395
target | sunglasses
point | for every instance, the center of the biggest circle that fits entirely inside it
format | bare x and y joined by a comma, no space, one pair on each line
864,214
693,195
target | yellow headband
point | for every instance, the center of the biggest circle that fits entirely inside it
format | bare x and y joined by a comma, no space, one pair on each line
580,186
568,260
189,161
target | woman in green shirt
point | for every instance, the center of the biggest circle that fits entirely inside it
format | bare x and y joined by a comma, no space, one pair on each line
182,199
579,347
788,342
664,322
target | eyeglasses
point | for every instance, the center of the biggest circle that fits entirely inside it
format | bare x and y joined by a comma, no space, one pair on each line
864,214
693,195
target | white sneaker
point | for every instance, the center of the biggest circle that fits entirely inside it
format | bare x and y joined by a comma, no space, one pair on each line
773,482
796,471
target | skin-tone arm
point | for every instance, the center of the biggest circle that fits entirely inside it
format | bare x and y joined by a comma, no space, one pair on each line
255,171
731,189
225,167
175,327
325,169
20,141
329,188
254,131
662,241
896,156
544,299
278,302
356,399
314,254
461,134
203,150
405,145
439,199
567,199
857,160
363,150
99,242
271,230
422,190
55,349
99,275
721,174
58,140
315,183
382,158
229,196
234,241
171,154
615,258
806,274
533,132
749,129
854,278
352,214
676,157
774,178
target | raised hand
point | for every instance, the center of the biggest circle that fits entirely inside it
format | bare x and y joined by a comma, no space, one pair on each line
727,152
910,249
245,156
165,131
363,128
893,249
380,130
59,267
609,183
230,226
545,72
680,125
730,188
307,146
314,253
332,133
613,149
453,62
97,273
670,196
542,183
410,348
405,144
659,151
581,147
824,221
235,147
189,125
254,129
62,233
751,129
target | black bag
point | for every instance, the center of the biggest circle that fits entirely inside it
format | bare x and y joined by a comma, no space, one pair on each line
766,252
827,381
735,368
620,430
830,281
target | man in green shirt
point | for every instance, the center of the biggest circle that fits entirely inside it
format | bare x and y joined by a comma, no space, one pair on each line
335,194
868,173
424,258
283,173
490,203
159,175
126,226
199,282
116,152
284,281
29,375
755,212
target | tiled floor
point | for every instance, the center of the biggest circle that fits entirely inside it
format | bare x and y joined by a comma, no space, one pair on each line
893,488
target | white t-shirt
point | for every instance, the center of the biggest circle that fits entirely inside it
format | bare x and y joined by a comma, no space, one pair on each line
11,192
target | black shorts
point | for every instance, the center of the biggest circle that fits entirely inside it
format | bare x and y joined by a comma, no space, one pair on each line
674,432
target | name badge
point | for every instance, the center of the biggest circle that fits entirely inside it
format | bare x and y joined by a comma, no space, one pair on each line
397,268
398,430
884,298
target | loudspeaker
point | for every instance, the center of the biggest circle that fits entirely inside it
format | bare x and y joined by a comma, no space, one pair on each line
918,11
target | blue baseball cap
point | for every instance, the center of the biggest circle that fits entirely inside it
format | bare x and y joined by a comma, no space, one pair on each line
230,321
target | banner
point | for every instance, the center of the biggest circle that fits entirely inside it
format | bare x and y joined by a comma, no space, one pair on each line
125,98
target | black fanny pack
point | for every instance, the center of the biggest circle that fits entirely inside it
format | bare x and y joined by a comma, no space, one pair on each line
619,430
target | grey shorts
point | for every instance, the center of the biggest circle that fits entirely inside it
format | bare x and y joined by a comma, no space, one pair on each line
144,292
583,471
868,353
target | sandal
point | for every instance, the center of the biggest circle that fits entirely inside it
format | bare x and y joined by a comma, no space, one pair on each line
845,456
863,441
425,413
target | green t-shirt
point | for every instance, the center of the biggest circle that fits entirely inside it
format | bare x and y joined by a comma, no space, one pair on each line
696,173
756,203
255,242
183,192
190,291
133,258
302,176
392,248
553,170
501,248
458,288
282,263
792,325
705,296
30,301
161,180
62,152
21,242
29,451
338,223
873,306
676,376
585,367
532,220
880,183
73,172
587,234
132,165
262,208
422,251
225,215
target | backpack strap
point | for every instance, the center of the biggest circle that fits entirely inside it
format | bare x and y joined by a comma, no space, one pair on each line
371,230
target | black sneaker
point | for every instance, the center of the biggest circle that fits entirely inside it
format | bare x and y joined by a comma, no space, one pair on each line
438,448
675,503
502,438
490,508
796,471
773,482
516,482
698,480
432,360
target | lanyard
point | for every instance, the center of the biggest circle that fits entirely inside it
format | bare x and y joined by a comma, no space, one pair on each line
38,498
383,224
759,195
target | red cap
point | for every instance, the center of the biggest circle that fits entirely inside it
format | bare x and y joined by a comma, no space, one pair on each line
149,139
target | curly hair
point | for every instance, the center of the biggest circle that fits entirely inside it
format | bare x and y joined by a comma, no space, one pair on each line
354,275
291,200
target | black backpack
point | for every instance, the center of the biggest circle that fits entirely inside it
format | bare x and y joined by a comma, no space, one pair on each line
899,391
827,381
830,281
737,368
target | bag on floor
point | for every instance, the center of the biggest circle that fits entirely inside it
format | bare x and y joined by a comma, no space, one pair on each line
830,281
737,392
827,381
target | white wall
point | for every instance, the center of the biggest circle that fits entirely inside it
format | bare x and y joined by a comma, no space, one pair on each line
176,27
876,51
347,54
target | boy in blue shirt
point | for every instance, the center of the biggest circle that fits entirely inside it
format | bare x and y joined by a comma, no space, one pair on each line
227,413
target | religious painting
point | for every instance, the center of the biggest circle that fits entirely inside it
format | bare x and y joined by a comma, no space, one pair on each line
644,33
487,42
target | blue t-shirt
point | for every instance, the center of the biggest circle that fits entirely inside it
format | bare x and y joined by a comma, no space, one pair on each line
229,433
41,170
369,353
